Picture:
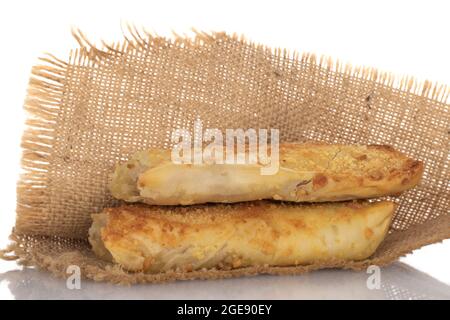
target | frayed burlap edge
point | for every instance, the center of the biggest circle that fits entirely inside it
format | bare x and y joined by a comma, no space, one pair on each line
46,87
43,102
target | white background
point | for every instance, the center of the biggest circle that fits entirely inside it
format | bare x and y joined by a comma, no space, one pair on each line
404,37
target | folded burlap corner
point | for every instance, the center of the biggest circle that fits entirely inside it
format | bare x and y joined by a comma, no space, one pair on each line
102,104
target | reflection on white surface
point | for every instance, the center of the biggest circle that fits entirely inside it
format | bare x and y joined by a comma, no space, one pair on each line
398,281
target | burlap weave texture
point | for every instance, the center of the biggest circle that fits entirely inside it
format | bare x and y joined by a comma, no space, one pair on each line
103,104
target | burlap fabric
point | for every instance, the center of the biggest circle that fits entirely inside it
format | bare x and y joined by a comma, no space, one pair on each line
102,104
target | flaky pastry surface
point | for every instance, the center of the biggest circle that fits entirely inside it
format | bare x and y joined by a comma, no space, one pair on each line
157,239
307,173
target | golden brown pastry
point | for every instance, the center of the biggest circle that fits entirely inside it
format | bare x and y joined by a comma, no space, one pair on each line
307,173
156,239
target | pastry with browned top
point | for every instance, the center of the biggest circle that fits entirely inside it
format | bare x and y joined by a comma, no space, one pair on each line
226,236
306,173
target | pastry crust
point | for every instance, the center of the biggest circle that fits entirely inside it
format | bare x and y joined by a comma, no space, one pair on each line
307,173
156,239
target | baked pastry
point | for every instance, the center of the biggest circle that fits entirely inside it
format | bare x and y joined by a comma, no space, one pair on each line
307,173
162,238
